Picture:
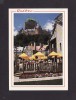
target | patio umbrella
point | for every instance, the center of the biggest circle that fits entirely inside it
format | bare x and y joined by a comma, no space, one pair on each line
45,57
32,57
39,54
59,55
24,56
53,54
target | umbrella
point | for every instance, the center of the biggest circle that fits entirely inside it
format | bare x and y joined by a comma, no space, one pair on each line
53,54
39,54
32,57
23,56
59,55
45,57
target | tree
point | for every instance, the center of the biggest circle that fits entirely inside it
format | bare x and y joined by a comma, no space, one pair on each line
30,24
23,39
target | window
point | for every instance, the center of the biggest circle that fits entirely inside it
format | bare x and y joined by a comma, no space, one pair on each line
60,47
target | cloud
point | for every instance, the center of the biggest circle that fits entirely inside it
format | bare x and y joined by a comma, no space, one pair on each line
49,25
15,31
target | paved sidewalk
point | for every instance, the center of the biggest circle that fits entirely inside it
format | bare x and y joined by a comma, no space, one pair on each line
16,79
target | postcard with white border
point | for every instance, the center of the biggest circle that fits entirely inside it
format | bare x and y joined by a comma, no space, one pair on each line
38,49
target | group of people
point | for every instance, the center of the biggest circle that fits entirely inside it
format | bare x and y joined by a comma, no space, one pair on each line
33,65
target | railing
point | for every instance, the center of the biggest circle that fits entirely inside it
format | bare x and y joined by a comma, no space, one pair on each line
49,67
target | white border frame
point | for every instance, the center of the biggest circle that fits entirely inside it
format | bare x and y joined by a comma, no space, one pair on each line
13,87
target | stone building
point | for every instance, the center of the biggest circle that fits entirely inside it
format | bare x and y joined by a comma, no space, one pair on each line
56,41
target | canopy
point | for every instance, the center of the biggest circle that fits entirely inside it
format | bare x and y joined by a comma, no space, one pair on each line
39,54
53,54
23,56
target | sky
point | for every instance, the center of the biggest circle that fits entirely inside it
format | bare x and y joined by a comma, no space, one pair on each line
45,20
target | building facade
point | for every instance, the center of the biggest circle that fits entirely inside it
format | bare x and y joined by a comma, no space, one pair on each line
56,41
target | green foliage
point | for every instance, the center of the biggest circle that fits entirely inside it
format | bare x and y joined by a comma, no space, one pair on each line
23,40
30,24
